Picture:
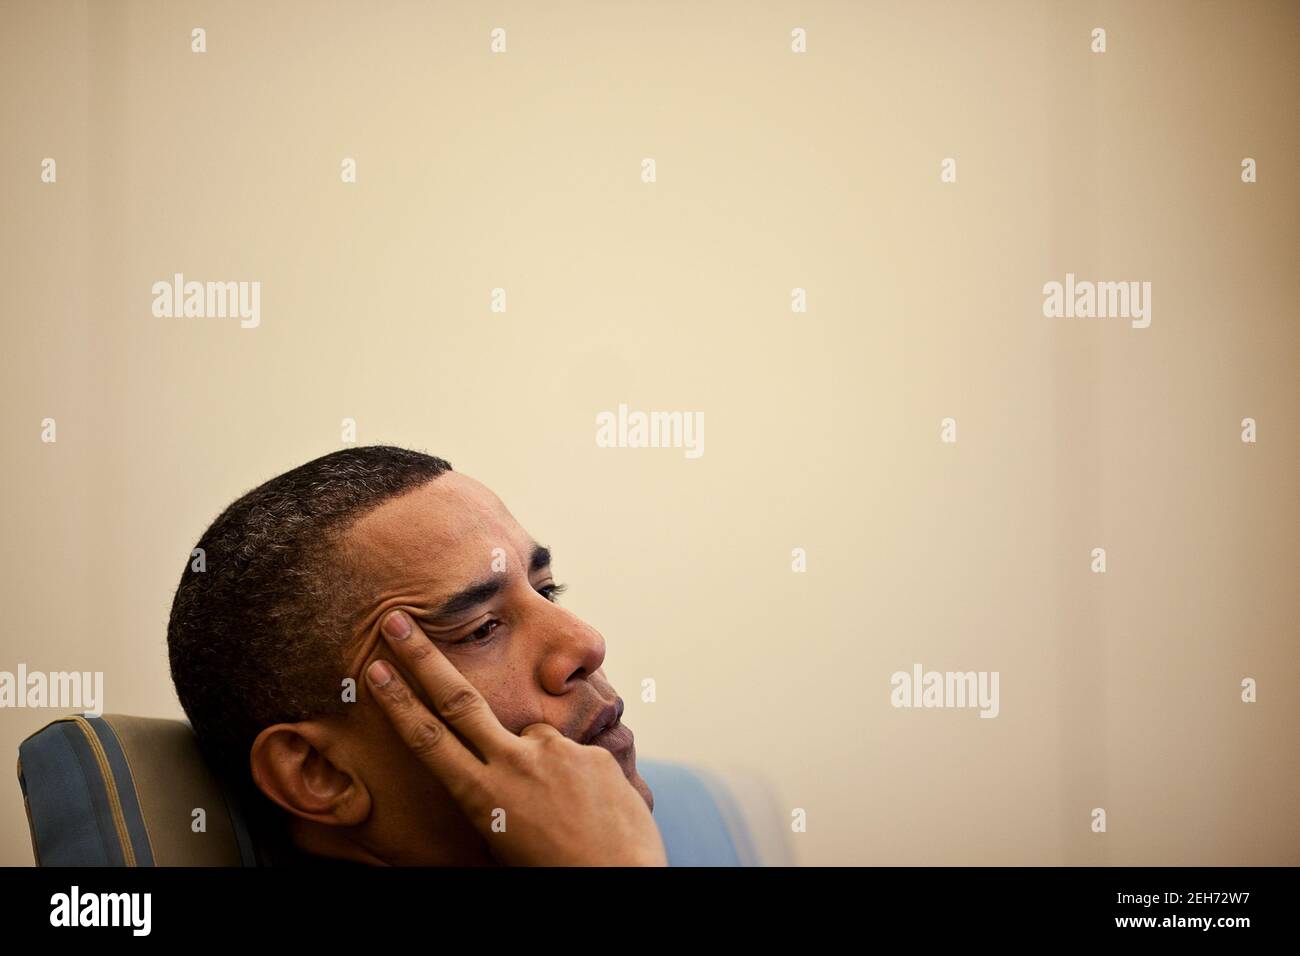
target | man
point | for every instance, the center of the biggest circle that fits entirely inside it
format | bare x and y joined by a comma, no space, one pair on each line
369,647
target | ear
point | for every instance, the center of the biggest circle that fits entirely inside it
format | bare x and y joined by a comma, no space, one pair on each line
291,764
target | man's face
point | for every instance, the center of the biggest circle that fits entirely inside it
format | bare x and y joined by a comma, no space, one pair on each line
452,556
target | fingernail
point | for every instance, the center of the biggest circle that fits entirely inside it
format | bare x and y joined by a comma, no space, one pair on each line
397,626
379,673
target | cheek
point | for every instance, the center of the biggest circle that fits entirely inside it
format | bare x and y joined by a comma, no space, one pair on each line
515,707
507,685
382,751
508,689
398,781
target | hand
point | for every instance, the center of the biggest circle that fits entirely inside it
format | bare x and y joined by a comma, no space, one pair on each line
564,804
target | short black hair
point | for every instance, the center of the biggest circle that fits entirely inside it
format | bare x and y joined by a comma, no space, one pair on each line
257,630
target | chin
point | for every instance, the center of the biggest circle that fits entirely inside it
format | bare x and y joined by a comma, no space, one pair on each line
639,784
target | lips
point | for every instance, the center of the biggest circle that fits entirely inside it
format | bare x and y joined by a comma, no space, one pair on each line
616,739
606,728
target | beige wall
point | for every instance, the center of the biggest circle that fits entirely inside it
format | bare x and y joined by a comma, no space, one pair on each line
775,170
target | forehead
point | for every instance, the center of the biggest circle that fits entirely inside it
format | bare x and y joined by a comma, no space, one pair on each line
435,531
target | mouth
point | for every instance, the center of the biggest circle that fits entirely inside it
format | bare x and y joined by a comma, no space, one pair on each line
608,730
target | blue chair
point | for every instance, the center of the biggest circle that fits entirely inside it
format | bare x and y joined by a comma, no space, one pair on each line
119,790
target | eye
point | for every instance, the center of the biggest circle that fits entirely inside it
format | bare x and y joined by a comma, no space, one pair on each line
481,633
484,632
552,591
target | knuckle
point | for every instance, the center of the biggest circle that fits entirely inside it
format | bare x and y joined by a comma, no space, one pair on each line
458,702
398,693
530,763
521,758
425,737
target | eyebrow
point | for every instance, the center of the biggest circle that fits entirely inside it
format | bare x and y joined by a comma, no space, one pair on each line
482,591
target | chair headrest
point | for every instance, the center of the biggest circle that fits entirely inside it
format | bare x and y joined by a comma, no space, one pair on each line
118,790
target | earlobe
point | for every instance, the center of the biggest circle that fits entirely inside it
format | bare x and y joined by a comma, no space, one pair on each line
289,764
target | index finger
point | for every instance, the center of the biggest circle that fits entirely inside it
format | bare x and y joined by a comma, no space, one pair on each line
427,737
455,699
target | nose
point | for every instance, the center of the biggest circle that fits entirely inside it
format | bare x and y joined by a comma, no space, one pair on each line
574,651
